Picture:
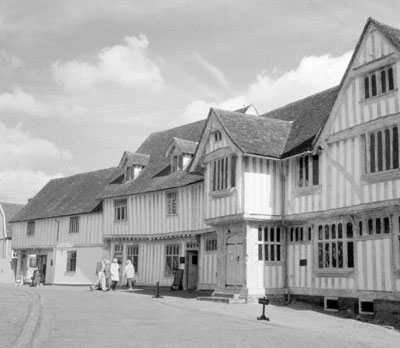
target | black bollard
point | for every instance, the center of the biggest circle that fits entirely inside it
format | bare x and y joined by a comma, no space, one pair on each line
158,291
264,301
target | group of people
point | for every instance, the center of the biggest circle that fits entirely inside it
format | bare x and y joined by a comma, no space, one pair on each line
108,274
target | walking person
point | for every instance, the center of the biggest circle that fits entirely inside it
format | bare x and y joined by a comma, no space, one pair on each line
101,279
129,273
107,272
114,269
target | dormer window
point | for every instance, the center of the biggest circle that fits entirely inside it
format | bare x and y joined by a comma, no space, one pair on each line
379,82
177,163
217,136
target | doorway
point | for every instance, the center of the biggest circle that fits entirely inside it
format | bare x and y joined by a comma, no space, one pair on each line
192,269
42,265
234,262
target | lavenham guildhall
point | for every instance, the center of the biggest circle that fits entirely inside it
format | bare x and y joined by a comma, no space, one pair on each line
301,202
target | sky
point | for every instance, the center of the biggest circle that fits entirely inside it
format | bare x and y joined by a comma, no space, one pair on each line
83,81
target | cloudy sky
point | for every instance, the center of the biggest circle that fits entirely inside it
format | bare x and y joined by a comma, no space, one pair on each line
82,81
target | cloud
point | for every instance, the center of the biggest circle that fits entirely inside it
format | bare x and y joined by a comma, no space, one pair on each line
9,62
17,186
214,71
313,74
128,65
21,102
20,151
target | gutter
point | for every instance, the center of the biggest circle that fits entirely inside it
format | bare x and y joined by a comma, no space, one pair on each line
55,251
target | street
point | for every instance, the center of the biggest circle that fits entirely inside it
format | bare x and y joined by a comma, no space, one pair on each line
76,317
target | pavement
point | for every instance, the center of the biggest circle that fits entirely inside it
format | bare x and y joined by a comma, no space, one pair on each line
61,316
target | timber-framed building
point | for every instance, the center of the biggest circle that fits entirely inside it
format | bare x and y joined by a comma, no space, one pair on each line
303,201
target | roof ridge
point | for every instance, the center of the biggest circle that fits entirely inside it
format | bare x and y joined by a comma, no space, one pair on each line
175,128
85,173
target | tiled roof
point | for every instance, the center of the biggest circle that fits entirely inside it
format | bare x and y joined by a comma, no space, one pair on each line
254,134
10,209
308,116
186,146
135,158
71,195
156,176
393,34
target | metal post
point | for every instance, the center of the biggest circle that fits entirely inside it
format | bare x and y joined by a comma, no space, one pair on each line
158,291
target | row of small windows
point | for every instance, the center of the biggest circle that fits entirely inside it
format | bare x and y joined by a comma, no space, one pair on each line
73,226
211,245
374,226
383,150
378,82
269,244
300,234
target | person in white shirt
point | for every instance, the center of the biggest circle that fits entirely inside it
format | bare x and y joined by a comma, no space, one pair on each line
114,269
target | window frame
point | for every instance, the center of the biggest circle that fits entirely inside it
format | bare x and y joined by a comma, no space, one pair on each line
223,173
172,254
74,224
172,203
307,171
132,253
121,210
30,228
71,261
211,245
270,245
378,82
348,263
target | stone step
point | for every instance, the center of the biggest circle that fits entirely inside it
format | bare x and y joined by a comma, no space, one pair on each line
225,294
222,299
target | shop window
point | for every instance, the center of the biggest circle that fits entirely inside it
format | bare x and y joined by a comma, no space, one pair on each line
171,259
118,252
132,253
270,244
335,246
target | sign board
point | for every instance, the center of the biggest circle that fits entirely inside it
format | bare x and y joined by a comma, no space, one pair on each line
303,262
182,260
177,284
263,301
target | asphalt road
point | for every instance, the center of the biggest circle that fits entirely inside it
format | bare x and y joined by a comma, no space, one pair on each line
77,317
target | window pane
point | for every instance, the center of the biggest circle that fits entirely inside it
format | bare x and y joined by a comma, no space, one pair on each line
266,234
272,232
387,149
373,85
378,226
340,254
327,256
291,234
326,231
278,234
387,225
301,172
309,233
320,255
390,78
301,234
266,254
350,254
380,152
315,170
233,171
320,237
372,152
395,148
297,234
370,226
306,171
260,255
383,81
278,253
334,255
272,252
259,234
349,230
340,231
360,228
366,87
333,231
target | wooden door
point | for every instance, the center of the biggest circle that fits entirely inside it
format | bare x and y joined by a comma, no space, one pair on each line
234,262
192,269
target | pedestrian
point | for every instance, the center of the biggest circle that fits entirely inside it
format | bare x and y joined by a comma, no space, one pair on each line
129,273
101,280
114,269
107,272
